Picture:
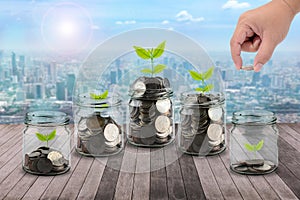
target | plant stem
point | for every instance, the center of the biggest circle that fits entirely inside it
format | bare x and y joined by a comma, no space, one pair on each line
152,65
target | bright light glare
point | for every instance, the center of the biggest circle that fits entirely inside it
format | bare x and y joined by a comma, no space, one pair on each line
67,28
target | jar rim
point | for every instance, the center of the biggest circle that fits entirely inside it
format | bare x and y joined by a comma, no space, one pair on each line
47,118
85,100
253,117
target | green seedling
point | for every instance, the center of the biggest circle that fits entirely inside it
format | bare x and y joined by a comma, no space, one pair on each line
47,137
99,96
151,54
203,77
254,148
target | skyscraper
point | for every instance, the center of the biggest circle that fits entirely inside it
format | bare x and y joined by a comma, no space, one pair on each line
70,86
60,91
14,64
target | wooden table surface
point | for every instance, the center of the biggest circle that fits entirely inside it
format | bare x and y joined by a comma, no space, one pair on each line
142,173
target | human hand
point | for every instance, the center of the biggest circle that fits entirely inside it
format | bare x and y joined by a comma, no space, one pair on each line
261,30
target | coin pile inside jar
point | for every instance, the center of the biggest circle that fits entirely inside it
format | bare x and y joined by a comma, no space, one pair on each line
150,112
98,135
46,161
254,166
202,125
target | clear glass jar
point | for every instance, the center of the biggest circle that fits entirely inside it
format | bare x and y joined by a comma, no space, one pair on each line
99,126
202,124
151,112
46,143
253,142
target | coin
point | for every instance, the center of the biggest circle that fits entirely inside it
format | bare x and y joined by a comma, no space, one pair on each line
215,114
264,167
241,168
95,123
111,132
148,135
163,105
162,123
44,165
96,145
139,88
35,154
115,142
269,163
55,157
254,162
247,67
165,134
58,168
214,131
26,160
82,124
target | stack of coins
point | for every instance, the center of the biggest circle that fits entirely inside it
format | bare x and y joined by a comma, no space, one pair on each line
45,161
254,166
150,112
98,135
202,125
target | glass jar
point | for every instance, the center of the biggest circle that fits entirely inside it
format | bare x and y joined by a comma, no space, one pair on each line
151,112
253,142
202,124
99,126
46,143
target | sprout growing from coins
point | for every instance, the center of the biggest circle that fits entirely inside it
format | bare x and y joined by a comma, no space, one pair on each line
255,147
46,137
203,77
99,96
151,54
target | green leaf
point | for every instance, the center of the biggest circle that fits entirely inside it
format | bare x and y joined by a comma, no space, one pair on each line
141,52
249,147
159,50
208,87
158,68
51,135
99,96
195,75
208,73
41,137
259,145
146,71
200,89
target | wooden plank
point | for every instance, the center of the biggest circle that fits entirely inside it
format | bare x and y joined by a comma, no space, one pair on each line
141,185
289,178
281,189
175,184
107,187
18,191
190,177
10,166
263,187
92,181
5,131
38,187
74,184
58,183
158,175
10,153
11,141
226,185
242,182
286,134
126,176
208,181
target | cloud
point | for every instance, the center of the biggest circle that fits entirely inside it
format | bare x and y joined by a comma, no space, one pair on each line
234,4
185,16
165,22
127,22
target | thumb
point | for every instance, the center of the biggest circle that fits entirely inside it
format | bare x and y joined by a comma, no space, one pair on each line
264,53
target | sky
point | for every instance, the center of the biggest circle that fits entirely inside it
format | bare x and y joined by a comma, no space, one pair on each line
75,26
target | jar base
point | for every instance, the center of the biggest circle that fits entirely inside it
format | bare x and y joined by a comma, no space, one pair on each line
253,167
105,154
46,174
193,153
154,145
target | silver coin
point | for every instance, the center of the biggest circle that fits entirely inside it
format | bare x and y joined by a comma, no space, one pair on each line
82,125
162,123
95,123
247,67
217,142
264,167
269,163
115,142
139,88
111,132
214,131
215,114
165,134
56,158
163,105
254,162
241,168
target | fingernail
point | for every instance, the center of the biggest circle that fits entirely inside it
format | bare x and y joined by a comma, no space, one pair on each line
258,67
237,67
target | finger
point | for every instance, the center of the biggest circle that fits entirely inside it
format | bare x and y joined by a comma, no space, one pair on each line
251,45
264,53
240,36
